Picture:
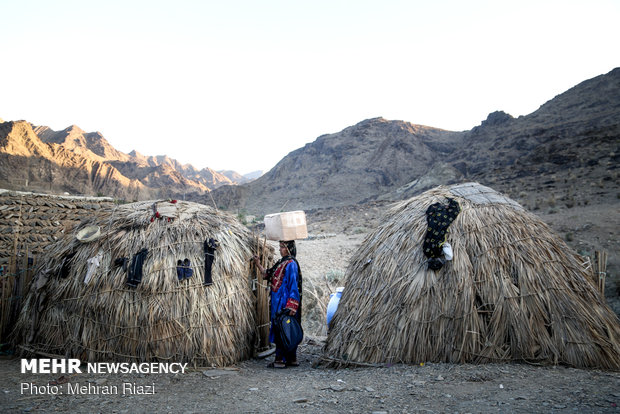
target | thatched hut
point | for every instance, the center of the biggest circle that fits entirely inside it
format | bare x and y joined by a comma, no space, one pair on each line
119,288
514,291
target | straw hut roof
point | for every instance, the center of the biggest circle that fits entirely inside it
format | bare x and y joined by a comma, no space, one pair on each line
514,291
162,318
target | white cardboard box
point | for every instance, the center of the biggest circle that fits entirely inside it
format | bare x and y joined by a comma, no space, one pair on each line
290,225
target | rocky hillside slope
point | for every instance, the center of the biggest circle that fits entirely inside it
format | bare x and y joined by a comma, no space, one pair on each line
37,158
570,140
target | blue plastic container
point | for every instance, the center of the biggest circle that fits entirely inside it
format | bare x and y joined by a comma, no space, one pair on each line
334,300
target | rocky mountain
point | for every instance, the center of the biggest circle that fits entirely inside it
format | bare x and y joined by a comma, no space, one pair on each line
571,138
253,175
27,163
352,166
72,160
89,144
575,134
234,176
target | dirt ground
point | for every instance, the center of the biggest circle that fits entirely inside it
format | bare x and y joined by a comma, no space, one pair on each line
251,387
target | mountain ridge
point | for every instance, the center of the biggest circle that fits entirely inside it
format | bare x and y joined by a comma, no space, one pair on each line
378,159
33,154
570,135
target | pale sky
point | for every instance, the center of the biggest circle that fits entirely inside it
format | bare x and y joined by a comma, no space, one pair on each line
239,84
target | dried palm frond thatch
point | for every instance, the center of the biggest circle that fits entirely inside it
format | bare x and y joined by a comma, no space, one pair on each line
161,318
513,292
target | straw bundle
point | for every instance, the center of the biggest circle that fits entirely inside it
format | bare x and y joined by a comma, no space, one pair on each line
513,292
160,319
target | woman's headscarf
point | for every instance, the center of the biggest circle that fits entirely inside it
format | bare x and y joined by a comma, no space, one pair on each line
290,245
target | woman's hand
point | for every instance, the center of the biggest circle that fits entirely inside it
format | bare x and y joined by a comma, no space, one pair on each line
260,267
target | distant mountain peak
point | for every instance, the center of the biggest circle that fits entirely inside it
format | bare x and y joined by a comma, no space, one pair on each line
74,128
497,118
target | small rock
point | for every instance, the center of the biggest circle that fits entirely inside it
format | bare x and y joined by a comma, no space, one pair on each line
216,373
370,389
300,400
439,378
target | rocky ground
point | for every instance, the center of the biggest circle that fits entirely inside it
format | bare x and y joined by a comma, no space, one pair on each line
251,387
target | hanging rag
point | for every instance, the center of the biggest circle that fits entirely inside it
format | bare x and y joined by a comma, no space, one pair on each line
187,269
65,268
210,245
121,262
180,272
439,217
135,269
93,263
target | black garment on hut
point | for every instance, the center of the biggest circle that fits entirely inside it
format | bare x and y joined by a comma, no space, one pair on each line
180,272
121,262
135,269
187,269
65,269
210,245
439,217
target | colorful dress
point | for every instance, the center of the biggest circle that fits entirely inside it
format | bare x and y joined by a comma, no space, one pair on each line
285,290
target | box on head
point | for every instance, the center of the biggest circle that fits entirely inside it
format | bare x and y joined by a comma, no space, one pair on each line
289,225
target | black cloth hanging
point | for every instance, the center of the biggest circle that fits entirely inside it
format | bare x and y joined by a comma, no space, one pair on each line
439,217
121,262
180,271
134,276
65,269
210,245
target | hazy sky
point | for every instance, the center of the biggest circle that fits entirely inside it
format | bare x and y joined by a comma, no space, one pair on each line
239,84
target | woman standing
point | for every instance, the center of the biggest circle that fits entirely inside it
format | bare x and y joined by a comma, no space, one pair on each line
285,283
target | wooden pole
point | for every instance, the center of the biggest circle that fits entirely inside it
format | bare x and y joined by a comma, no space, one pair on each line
600,261
262,300
8,281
